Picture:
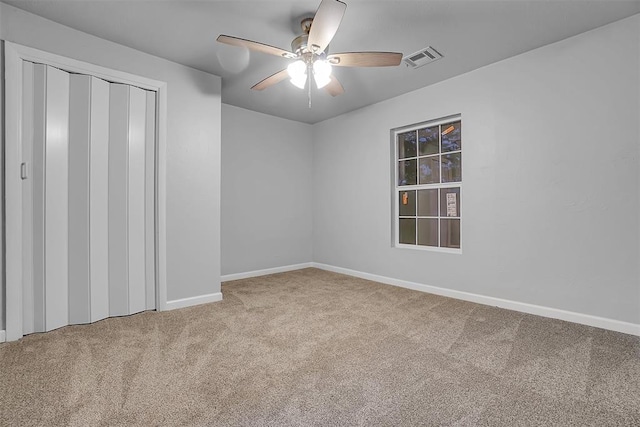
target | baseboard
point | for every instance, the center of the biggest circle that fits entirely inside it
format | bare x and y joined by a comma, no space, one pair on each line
570,316
3,336
188,302
266,271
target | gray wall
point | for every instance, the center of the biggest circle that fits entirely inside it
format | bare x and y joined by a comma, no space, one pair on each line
193,143
551,182
266,191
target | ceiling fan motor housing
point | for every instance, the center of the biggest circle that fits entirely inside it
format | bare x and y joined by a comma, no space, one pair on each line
299,44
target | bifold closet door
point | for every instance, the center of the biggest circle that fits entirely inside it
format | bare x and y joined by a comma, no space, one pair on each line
89,197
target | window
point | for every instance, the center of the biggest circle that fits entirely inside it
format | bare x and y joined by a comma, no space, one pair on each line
428,184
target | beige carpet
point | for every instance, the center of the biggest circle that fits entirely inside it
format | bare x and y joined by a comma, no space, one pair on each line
316,348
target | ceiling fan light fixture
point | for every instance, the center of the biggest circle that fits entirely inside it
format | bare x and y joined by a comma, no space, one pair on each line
322,73
298,72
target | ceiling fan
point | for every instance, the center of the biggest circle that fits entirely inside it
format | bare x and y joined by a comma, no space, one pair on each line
310,53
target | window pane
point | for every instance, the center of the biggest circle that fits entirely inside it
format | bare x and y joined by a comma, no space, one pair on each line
452,168
407,231
451,137
428,142
427,232
429,170
407,144
407,172
450,201
407,203
450,233
428,202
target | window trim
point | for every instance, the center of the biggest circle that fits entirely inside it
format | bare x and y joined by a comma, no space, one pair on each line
396,189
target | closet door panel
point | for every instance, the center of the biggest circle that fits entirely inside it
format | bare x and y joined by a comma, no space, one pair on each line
136,202
56,199
27,197
99,200
118,199
38,187
79,137
150,219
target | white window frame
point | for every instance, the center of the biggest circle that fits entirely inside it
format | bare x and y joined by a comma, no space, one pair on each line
397,189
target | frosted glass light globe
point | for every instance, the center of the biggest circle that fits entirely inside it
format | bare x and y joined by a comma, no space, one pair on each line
322,73
298,72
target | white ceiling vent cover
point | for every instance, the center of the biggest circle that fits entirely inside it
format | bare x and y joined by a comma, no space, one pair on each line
422,57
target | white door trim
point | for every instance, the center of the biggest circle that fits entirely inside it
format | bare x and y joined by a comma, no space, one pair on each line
14,54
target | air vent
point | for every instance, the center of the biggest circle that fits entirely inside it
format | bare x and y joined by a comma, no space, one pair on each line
422,57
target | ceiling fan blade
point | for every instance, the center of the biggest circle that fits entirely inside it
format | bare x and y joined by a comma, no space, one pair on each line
365,59
334,87
271,80
325,23
259,47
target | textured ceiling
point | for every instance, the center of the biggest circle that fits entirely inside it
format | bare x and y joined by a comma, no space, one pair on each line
470,34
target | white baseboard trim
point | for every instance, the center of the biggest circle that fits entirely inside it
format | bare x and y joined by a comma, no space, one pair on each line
266,271
188,302
554,313
3,336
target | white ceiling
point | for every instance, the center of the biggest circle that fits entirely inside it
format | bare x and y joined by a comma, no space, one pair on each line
469,33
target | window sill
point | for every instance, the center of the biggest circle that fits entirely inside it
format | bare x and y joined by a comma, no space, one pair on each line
428,248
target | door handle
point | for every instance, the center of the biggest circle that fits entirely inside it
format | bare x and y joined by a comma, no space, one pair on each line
23,171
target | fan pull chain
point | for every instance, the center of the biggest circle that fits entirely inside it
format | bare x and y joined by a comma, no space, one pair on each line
309,85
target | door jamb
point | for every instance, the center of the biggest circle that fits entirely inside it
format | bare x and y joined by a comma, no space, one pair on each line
14,54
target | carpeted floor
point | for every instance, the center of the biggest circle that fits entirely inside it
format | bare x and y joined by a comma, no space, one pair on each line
316,348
